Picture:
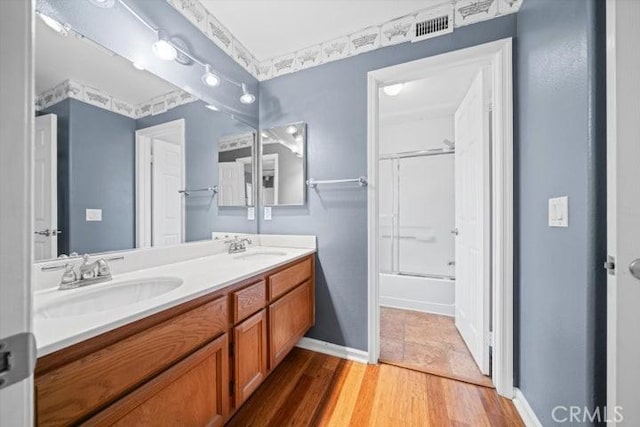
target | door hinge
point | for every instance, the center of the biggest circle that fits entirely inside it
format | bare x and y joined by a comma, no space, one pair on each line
610,265
17,358
232,388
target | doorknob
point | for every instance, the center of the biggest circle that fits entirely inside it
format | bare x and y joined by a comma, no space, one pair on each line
634,268
48,232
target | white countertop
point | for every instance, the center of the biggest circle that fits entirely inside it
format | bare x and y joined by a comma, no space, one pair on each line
200,276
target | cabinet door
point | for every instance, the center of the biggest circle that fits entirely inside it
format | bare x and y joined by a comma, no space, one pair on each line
289,318
194,392
250,358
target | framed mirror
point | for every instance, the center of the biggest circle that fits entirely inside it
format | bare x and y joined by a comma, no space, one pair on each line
123,158
283,165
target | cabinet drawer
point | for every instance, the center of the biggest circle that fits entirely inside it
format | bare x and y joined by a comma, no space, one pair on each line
73,391
248,300
280,283
194,392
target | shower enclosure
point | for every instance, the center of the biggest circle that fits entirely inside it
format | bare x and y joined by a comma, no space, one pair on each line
417,229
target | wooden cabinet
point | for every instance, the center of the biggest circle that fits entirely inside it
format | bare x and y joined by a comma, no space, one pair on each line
289,318
174,367
250,355
193,392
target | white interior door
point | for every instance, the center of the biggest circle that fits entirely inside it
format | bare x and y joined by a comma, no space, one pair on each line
623,212
166,200
45,188
472,207
231,184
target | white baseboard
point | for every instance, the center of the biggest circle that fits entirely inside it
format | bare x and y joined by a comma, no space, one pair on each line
334,350
526,412
426,307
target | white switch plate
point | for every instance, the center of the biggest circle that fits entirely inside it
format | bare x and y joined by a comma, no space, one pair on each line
559,212
251,214
267,213
93,214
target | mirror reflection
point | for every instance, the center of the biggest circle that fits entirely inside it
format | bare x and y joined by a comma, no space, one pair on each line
118,151
235,170
283,165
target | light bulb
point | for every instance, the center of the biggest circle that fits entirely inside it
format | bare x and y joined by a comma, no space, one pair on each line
212,107
291,129
163,49
209,78
53,24
247,97
393,90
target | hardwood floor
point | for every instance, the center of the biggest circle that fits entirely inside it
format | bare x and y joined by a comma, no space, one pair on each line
313,389
429,343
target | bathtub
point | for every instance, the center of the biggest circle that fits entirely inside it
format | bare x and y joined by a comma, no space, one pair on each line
418,293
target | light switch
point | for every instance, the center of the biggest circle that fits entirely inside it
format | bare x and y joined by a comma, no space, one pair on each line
267,213
559,212
93,214
251,214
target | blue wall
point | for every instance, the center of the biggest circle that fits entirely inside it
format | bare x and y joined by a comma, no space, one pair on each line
561,152
332,99
203,128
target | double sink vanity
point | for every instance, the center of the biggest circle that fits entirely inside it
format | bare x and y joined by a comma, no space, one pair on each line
188,340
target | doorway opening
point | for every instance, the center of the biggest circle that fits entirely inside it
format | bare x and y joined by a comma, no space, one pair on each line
440,215
160,175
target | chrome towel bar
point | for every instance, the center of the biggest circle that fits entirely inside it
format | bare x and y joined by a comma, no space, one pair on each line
362,181
213,190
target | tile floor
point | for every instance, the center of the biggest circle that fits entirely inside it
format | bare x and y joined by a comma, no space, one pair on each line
427,343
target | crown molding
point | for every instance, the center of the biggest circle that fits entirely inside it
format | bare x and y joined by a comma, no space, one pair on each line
395,31
99,98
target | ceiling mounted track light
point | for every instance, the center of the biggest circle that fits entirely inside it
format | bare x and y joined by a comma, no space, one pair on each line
163,48
247,97
209,78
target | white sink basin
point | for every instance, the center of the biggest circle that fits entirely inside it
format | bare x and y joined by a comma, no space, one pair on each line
108,296
260,255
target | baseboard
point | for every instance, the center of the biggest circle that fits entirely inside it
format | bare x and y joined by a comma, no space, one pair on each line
526,412
426,307
334,350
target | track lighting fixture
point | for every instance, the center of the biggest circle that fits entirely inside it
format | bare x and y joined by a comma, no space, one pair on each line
163,48
247,97
209,78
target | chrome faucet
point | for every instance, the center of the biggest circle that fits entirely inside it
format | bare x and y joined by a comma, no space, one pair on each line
88,274
238,244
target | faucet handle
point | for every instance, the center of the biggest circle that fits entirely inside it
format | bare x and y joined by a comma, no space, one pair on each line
69,275
103,268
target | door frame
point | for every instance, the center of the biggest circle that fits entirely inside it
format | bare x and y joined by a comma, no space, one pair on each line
143,177
17,115
498,55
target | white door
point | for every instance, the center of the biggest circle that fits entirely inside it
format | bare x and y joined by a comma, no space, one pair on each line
623,212
231,184
166,200
45,188
472,204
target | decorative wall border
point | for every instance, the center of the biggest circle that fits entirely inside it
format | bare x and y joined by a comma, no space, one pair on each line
100,98
397,30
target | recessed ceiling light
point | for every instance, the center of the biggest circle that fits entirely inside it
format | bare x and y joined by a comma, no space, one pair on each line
163,49
209,78
212,107
291,129
247,97
138,65
393,90
53,24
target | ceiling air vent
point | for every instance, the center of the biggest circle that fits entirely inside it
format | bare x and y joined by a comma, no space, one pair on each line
433,22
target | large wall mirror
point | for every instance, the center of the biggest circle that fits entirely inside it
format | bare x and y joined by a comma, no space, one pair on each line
125,159
236,165
283,165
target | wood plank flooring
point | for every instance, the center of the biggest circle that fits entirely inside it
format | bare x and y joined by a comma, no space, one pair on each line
429,343
313,389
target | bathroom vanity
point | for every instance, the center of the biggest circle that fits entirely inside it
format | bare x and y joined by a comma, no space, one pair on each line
193,354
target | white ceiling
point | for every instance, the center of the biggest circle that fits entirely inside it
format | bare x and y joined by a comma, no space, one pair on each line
436,95
59,58
270,28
